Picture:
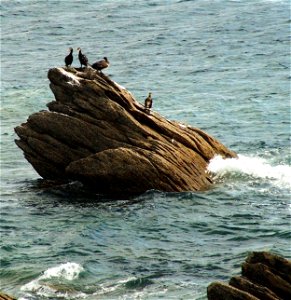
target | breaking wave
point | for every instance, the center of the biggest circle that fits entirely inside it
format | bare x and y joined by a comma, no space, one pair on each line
255,167
48,284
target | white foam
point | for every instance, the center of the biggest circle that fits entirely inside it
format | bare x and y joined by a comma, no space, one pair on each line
109,287
252,166
67,271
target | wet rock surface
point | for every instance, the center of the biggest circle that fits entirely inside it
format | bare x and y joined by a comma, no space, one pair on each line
4,296
97,133
264,276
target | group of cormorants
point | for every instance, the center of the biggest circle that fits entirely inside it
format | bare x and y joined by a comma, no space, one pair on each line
98,65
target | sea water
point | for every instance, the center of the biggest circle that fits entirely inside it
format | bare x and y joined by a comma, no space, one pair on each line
222,66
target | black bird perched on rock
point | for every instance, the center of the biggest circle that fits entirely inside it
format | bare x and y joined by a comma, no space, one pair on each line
69,57
148,102
82,58
101,64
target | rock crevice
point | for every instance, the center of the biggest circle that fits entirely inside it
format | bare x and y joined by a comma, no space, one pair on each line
96,132
265,276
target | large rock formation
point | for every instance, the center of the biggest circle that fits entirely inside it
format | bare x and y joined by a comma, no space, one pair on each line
97,133
265,276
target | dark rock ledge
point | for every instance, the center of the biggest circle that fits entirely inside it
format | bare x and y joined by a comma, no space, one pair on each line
97,133
265,276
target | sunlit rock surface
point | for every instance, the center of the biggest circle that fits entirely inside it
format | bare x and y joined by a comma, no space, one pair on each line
264,276
97,133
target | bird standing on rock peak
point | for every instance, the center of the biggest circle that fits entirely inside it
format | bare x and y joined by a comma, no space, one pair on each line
69,58
101,64
148,102
82,58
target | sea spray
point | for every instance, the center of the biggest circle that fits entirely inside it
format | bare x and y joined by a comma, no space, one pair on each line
255,167
42,286
222,68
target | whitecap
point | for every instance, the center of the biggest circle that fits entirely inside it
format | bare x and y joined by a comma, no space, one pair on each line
251,166
68,271
41,286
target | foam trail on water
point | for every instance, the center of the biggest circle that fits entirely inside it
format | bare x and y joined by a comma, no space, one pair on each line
251,166
68,271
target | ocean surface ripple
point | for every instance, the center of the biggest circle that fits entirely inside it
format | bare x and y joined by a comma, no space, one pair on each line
222,66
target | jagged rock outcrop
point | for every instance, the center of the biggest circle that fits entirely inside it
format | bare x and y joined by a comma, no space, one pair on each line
97,133
4,296
265,276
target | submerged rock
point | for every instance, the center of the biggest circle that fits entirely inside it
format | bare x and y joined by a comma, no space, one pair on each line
97,133
264,276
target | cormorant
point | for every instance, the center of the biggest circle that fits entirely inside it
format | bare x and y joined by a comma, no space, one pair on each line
101,64
82,58
148,102
69,58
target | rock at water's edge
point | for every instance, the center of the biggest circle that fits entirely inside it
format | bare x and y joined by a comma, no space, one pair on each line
97,133
265,276
4,296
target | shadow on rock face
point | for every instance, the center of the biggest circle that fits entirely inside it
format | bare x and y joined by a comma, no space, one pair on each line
96,133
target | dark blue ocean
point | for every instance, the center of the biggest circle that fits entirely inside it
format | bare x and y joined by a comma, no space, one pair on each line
220,65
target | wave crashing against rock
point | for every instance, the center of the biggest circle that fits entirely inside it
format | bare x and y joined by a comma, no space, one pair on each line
97,133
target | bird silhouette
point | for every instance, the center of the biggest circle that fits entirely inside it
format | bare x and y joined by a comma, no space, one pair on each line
148,103
82,58
69,58
101,64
